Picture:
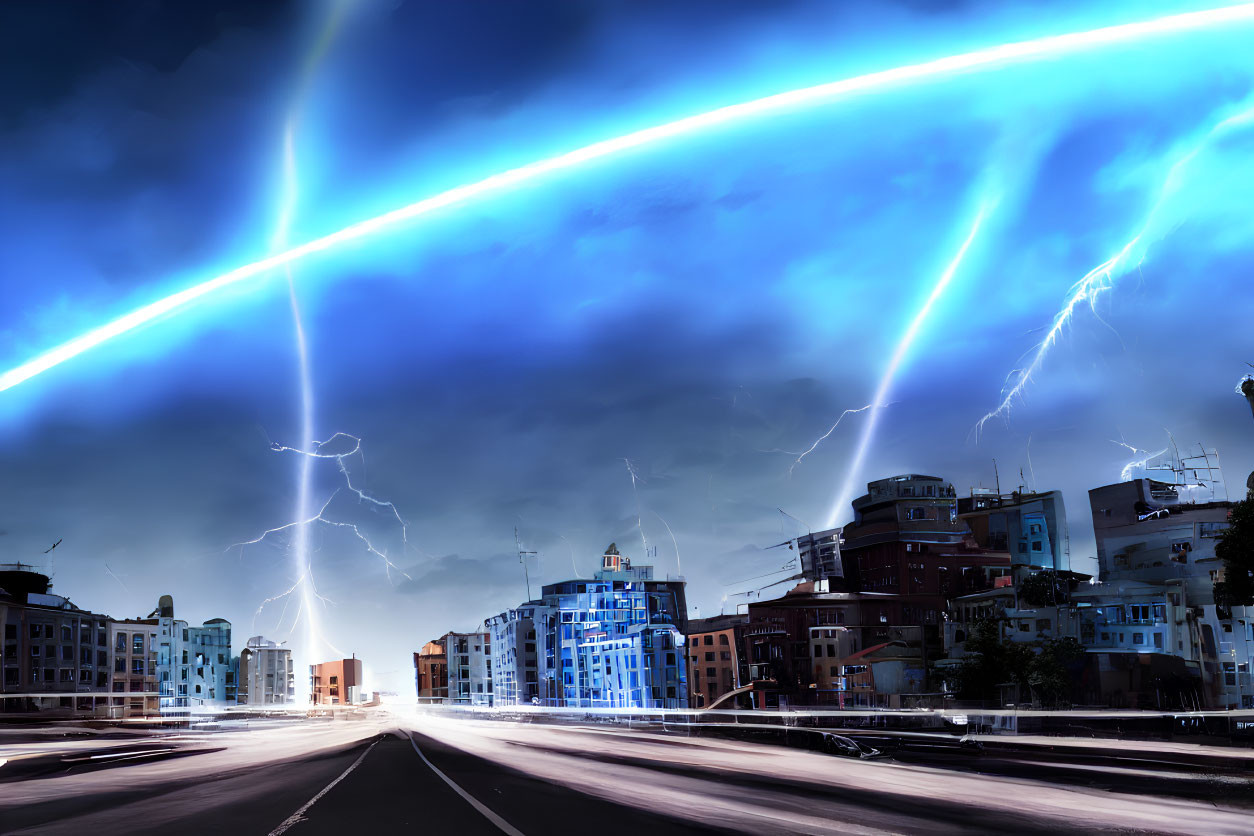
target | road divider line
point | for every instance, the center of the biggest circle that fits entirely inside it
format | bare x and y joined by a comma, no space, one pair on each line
299,814
501,824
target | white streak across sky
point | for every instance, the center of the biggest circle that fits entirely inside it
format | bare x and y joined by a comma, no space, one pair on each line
882,393
1019,51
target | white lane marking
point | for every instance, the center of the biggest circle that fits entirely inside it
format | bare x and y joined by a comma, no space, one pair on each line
299,814
501,824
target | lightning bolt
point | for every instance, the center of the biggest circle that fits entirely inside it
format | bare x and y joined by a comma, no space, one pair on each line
824,436
635,477
321,516
894,364
789,101
1102,278
678,566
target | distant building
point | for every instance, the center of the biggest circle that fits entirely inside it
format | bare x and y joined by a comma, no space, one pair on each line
431,672
715,661
55,656
266,676
336,683
469,658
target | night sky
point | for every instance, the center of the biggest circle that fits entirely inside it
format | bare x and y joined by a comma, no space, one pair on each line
699,307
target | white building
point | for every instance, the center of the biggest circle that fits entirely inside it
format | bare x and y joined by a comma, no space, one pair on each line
266,675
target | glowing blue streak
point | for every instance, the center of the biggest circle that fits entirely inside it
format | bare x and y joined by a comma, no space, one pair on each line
1102,278
890,373
780,102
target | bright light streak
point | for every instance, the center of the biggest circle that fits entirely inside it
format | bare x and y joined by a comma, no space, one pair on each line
899,356
1018,51
1102,278
635,477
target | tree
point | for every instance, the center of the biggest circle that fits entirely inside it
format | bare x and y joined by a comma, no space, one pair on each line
1236,550
1043,589
1055,669
1047,669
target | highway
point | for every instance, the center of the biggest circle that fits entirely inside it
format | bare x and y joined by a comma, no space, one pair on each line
395,771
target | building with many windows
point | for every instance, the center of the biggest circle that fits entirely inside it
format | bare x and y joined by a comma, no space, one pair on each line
196,669
135,653
517,661
715,662
616,640
54,656
469,658
266,676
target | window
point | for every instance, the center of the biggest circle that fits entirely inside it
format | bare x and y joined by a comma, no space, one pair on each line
725,655
119,665
67,633
916,513
709,640
137,666
709,656
1158,640
1138,638
137,643
722,639
120,647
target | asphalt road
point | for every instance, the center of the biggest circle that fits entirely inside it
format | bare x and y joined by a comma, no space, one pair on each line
470,777
381,785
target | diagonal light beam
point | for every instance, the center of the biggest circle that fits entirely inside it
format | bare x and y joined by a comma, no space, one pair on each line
804,97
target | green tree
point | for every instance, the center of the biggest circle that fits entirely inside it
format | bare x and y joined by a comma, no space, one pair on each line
1236,550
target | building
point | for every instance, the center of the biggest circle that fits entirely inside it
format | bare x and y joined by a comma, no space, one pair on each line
715,662
135,655
196,667
1153,633
431,672
266,675
55,656
1032,527
796,646
906,539
516,658
336,683
615,641
469,658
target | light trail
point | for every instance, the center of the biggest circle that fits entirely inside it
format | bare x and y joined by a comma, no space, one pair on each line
894,364
1019,51
1101,279
679,569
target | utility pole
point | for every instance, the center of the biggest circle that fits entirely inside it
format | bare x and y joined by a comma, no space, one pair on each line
522,558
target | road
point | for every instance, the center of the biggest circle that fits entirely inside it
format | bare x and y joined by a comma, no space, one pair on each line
394,772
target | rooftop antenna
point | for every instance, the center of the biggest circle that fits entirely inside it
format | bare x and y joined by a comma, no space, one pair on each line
522,558
794,519
996,477
1031,470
